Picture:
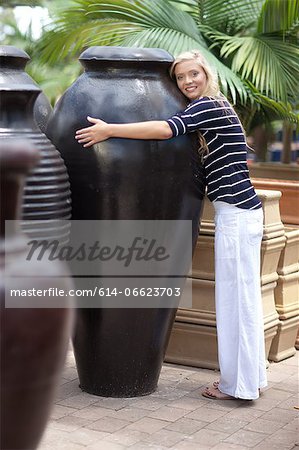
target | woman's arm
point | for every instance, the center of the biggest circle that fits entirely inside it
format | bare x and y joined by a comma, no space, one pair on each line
100,131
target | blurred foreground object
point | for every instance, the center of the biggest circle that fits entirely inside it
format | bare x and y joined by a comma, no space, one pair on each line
33,340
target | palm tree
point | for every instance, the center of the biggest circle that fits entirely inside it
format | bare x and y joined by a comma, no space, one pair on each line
251,43
53,80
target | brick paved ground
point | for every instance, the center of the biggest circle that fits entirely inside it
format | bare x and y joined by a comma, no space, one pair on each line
176,416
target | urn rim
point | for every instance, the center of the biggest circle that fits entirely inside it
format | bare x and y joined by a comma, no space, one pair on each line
126,54
6,87
10,51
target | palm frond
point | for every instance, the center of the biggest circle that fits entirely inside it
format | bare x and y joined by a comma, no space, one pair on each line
269,63
274,110
189,6
148,14
107,23
279,15
229,16
68,41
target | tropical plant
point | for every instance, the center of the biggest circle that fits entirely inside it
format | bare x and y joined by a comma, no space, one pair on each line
251,43
53,80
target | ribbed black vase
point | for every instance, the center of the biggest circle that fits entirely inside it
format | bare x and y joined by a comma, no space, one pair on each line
119,352
12,71
33,337
46,199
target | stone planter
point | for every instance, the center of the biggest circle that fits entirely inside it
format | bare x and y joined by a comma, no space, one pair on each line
276,171
290,197
286,298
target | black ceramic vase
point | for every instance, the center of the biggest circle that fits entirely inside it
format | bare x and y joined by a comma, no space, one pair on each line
119,352
34,340
12,71
46,198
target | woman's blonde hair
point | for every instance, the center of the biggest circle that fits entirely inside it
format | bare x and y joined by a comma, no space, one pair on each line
211,89
212,86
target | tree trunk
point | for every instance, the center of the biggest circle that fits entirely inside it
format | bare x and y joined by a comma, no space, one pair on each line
260,142
287,132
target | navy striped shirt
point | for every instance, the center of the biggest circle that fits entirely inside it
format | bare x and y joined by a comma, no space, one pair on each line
226,170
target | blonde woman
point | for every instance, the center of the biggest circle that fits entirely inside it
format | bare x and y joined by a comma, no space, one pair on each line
238,219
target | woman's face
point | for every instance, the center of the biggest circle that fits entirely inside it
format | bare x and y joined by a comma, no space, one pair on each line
191,79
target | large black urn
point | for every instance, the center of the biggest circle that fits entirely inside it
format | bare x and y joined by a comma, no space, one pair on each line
119,352
46,205
13,62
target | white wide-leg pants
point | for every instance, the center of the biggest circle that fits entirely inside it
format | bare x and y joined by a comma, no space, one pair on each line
239,315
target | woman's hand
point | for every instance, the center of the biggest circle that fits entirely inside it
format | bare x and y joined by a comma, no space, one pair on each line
96,133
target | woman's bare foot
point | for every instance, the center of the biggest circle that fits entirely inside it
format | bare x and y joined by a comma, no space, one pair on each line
214,394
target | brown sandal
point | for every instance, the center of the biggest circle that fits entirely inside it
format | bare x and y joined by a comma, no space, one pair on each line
215,394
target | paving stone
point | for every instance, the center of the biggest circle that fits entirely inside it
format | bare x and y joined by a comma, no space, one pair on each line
52,434
226,406
105,445
113,403
207,375
92,413
149,403
148,425
60,440
246,438
146,446
109,424
267,445
127,437
84,436
280,415
188,385
197,394
289,403
205,414
226,446
78,401
226,425
174,373
187,445
130,414
69,389
168,413
288,387
293,425
166,438
187,403
263,426
246,414
186,426
170,392
264,404
65,445
69,423
275,394
208,437
284,437
60,411
70,373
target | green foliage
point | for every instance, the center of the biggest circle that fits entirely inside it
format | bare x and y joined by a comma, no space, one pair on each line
252,44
